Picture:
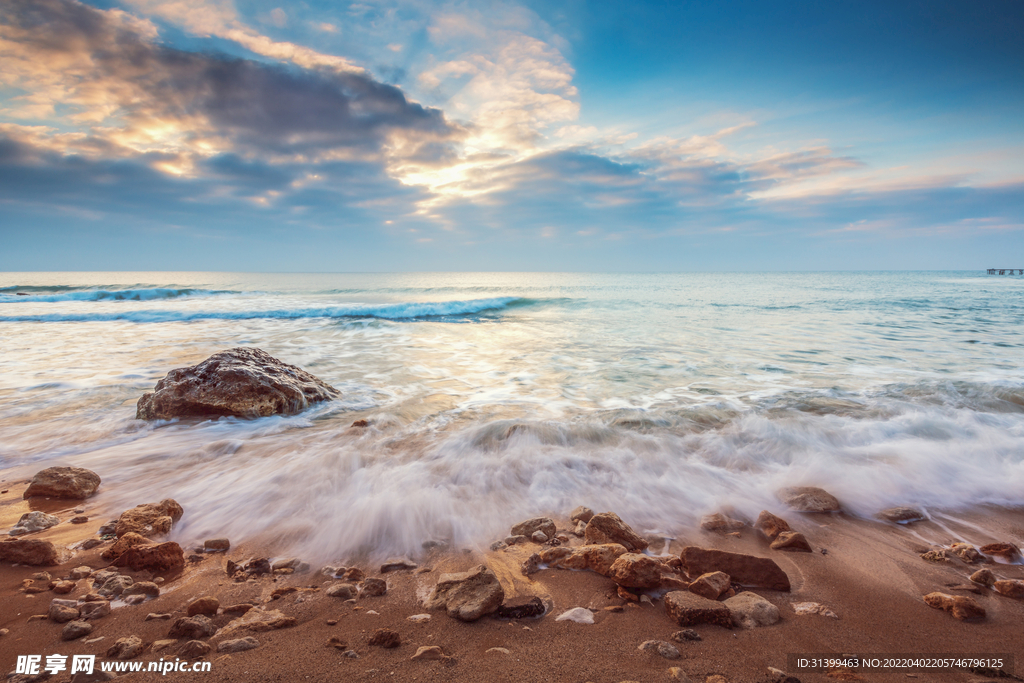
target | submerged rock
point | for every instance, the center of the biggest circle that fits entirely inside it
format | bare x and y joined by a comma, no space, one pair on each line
746,570
607,527
720,522
243,382
809,499
76,483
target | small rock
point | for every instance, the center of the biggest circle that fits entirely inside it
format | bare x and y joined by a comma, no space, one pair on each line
214,545
792,541
159,645
581,529
780,676
32,522
902,515
636,570
108,528
666,650
64,587
396,564
82,572
966,552
498,545
539,537
596,558
687,634
750,610
344,591
353,574
580,615
581,514
75,629
142,588
281,592
532,608
161,557
938,555
770,525
809,499
76,483
721,523
711,585
91,543
149,519
716,679
607,527
136,599
515,540
257,620
331,622
115,585
194,649
4,632
385,637
497,651
240,608
80,519
372,588
467,596
337,643
428,652
1011,588
677,674
351,654
530,565
543,524
804,608
960,606
193,628
1005,551
238,644
125,648
984,576
155,615
94,610
419,618
689,609
204,605
62,614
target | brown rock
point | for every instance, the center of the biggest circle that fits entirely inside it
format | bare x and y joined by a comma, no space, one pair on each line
608,528
467,596
750,610
966,552
689,609
770,525
428,652
385,637
372,588
984,576
31,552
238,644
121,545
155,558
258,620
192,628
213,545
960,606
240,608
711,586
666,650
719,522
1011,588
63,482
792,541
1006,551
194,649
142,588
939,555
746,570
63,613
75,629
244,382
634,570
531,526
149,519
902,515
64,587
345,591
398,564
125,648
205,605
596,558
581,514
809,499
354,574
96,609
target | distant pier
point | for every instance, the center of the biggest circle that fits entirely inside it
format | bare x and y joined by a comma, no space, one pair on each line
1005,271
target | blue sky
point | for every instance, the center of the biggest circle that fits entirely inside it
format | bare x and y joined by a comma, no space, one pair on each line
407,135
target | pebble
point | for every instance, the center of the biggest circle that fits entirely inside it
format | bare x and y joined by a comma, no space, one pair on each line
419,618
155,615
685,634
498,651
385,637
666,650
332,622
337,643
428,652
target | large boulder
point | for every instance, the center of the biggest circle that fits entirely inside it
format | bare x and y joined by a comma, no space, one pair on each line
688,609
31,551
809,499
467,596
242,382
149,519
607,527
746,570
63,482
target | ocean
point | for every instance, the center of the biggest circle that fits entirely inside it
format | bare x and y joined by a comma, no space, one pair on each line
494,397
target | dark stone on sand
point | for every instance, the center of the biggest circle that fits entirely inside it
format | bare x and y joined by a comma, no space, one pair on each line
192,627
902,515
688,609
243,382
63,482
687,634
746,570
30,551
194,649
533,608
792,541
372,588
467,596
385,637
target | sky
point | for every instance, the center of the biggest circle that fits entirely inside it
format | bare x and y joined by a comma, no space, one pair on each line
543,135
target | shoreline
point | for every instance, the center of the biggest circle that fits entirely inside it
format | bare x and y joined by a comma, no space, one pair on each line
871,577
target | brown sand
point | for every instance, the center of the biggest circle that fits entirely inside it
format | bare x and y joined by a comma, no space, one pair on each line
872,577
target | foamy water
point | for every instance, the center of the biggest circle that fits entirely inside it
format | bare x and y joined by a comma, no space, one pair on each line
494,397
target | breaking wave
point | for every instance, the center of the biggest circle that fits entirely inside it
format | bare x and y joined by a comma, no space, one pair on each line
44,294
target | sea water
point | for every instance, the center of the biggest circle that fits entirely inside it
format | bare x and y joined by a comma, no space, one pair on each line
494,397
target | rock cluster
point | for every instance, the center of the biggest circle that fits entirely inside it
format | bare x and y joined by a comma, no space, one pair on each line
243,382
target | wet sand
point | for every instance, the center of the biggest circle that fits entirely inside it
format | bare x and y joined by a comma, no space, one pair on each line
871,576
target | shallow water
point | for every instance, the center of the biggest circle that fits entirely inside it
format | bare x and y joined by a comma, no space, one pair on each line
494,397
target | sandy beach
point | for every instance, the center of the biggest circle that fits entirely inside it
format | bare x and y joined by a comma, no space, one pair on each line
868,573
